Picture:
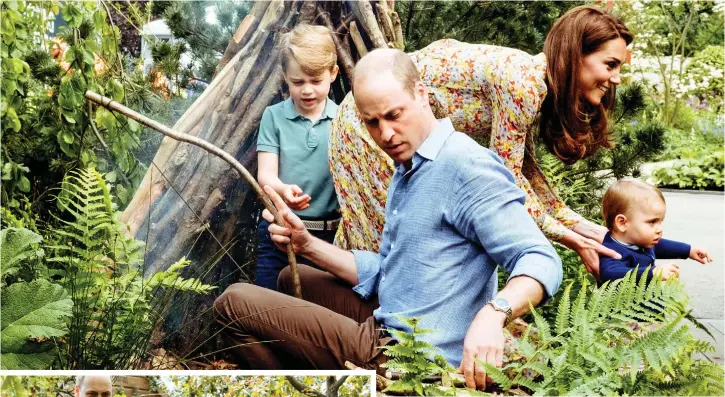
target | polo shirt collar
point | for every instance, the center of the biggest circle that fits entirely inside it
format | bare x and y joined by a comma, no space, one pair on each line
291,113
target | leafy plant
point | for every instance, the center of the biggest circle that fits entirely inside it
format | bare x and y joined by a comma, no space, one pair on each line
625,338
409,357
115,305
31,314
706,173
18,248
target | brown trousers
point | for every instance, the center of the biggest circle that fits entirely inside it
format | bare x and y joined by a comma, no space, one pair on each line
273,330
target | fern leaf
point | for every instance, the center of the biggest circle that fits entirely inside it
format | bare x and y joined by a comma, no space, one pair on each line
496,374
562,316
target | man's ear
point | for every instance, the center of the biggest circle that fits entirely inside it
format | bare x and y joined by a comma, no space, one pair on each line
421,92
77,391
620,223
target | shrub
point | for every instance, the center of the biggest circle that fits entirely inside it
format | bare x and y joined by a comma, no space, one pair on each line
705,173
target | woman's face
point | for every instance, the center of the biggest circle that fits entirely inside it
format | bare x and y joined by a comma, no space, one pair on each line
600,70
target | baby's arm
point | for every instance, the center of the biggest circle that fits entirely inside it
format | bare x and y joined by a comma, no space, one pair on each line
700,255
611,269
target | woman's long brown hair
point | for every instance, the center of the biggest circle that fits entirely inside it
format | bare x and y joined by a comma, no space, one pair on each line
571,128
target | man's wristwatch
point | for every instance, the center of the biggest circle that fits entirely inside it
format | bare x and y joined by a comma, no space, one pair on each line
501,305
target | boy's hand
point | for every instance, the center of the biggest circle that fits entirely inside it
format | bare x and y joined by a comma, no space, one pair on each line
698,254
293,197
668,270
293,231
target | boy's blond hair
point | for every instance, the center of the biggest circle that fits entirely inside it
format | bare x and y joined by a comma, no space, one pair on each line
311,46
623,194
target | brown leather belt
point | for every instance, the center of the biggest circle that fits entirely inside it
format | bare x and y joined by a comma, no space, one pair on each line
322,225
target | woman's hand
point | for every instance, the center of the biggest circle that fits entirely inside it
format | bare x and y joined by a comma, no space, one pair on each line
588,249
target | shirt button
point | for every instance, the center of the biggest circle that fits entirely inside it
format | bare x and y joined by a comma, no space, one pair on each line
383,279
392,245
395,212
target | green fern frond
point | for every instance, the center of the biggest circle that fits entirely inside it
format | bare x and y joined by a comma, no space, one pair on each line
562,317
496,374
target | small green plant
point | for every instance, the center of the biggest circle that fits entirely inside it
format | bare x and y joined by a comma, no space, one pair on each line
409,358
706,173
624,338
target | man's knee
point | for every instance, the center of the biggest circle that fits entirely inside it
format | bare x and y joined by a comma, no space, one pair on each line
235,294
284,281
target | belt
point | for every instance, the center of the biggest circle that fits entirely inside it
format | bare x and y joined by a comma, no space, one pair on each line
322,225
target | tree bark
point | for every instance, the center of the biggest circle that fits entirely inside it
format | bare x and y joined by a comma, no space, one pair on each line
193,204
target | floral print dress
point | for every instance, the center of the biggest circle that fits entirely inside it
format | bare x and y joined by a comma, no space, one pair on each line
491,93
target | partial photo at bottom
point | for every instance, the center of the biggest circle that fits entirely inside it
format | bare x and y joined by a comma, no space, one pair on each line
110,384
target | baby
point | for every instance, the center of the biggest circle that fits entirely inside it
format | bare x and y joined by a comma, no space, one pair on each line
633,211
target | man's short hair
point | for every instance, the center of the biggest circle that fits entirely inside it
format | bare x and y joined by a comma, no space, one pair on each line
380,61
623,194
311,46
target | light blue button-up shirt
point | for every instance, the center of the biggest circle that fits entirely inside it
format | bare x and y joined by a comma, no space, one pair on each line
449,220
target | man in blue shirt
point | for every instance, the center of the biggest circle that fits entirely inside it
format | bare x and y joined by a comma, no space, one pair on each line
453,213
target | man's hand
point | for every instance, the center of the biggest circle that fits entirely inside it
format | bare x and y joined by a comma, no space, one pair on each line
589,250
294,231
294,198
700,255
668,270
484,341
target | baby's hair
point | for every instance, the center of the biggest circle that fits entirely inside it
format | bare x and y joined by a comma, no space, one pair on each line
622,194
311,46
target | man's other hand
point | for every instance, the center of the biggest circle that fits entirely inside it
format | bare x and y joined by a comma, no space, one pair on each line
485,342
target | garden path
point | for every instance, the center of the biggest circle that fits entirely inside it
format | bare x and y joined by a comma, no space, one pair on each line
698,218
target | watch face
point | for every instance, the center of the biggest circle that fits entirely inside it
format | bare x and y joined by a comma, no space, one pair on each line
501,303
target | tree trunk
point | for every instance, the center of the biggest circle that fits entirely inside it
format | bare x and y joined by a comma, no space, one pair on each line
193,204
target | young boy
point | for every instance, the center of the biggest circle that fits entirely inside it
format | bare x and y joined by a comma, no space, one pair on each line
292,144
633,211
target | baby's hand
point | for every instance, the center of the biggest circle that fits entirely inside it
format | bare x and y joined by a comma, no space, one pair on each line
292,195
668,270
700,255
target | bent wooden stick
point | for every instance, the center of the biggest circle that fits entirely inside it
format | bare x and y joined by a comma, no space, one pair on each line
110,104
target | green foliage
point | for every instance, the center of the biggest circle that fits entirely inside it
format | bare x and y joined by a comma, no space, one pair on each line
94,272
624,338
706,173
31,314
18,249
410,358
114,314
707,68
37,386
515,24
206,42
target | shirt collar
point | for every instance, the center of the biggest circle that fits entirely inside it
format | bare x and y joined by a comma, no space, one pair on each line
630,246
433,144
291,113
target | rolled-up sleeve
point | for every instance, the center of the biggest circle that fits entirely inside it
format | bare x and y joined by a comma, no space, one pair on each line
368,271
489,208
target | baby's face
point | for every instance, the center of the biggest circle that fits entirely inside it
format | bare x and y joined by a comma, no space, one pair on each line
644,223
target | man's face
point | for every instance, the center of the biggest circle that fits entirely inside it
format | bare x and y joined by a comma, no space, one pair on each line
95,386
396,120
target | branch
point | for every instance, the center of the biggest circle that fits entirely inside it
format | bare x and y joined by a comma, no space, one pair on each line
342,53
302,388
335,386
109,104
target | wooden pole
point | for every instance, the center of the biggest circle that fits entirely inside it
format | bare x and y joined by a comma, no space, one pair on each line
110,104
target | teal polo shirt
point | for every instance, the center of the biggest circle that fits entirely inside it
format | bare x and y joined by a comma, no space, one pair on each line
302,149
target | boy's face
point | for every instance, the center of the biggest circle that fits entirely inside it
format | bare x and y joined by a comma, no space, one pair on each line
643,225
308,92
